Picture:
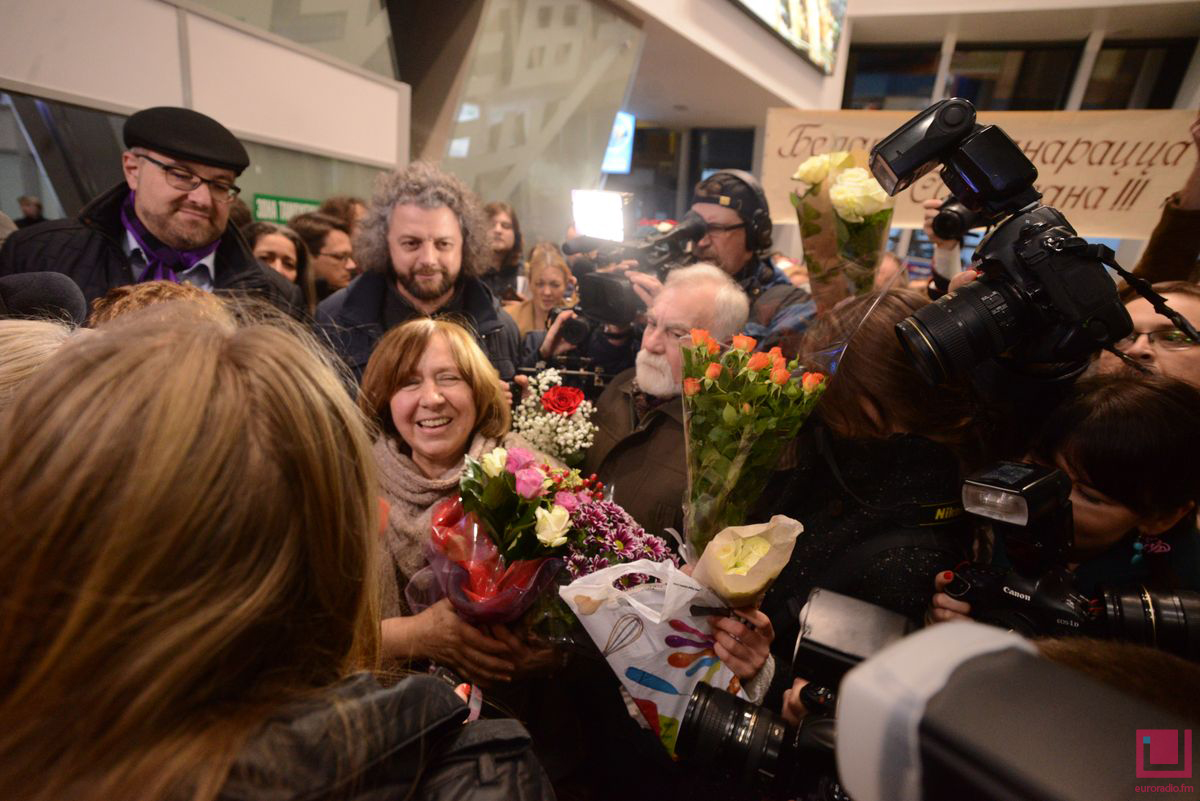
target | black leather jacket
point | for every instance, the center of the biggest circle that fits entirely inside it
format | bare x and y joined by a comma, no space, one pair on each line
353,319
89,250
364,742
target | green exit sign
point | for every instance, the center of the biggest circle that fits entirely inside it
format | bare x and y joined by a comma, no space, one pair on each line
277,209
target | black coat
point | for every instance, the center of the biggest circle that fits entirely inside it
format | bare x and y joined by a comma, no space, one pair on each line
90,251
879,556
353,319
363,742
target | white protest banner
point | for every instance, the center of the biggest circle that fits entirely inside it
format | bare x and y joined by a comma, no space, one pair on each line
1107,171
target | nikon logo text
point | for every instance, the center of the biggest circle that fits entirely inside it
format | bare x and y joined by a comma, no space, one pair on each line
1016,594
947,513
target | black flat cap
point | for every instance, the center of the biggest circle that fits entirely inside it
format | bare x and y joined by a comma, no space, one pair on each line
186,134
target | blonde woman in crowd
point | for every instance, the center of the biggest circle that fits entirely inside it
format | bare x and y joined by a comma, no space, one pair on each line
25,345
187,587
550,282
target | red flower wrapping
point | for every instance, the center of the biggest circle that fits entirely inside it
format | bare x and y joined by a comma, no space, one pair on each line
562,400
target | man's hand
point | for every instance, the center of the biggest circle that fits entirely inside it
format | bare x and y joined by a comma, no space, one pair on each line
1189,196
943,608
530,660
522,382
450,640
554,345
794,709
931,210
617,266
962,279
645,285
743,648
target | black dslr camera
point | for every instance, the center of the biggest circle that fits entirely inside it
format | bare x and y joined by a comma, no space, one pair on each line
1030,507
753,745
1044,296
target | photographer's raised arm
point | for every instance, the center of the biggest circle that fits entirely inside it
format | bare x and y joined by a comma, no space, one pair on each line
1174,246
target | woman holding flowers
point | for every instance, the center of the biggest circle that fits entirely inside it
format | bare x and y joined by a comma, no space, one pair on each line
434,398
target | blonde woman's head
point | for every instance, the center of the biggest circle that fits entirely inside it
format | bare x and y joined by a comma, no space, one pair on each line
25,345
190,520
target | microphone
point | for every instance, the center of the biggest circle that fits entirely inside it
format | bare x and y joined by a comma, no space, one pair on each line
586,244
42,295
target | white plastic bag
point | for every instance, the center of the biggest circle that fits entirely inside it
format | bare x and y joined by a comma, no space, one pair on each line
659,650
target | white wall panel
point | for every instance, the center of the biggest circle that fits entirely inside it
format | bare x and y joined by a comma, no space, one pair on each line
124,53
265,90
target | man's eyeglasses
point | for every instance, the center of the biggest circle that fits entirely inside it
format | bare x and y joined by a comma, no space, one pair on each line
341,258
185,180
716,228
1167,338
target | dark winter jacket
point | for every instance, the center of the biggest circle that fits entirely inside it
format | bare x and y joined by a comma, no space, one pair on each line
91,252
353,319
643,459
364,742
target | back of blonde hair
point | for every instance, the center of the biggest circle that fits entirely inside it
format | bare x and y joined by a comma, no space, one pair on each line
25,345
190,524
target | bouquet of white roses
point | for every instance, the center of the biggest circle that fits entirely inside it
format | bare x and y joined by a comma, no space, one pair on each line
556,420
844,218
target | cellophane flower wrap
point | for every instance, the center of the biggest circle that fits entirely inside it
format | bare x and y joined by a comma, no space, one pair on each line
556,420
741,408
844,217
496,548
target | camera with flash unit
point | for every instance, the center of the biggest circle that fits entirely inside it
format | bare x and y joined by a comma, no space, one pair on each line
1044,296
1029,507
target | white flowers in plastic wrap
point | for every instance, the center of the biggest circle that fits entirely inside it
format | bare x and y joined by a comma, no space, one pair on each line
815,169
740,562
856,195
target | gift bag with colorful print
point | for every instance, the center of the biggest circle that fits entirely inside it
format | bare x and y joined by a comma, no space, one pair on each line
659,650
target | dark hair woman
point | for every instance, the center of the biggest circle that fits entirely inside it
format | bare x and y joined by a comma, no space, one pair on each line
877,475
282,249
1127,442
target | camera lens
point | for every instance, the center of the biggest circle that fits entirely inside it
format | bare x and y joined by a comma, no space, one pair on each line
955,333
575,331
743,742
1167,621
954,220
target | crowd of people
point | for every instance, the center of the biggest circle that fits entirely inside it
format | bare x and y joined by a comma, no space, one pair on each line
218,470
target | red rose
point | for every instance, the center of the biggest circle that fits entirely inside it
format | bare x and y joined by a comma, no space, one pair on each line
562,400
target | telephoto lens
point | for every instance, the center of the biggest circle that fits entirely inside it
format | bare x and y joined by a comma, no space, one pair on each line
1167,621
734,739
958,331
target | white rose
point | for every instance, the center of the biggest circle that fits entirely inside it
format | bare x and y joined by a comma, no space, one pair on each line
553,525
856,195
813,170
493,462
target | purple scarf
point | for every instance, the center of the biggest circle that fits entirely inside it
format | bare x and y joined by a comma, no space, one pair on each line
162,262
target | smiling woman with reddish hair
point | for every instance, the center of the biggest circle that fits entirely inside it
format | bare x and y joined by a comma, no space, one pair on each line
435,399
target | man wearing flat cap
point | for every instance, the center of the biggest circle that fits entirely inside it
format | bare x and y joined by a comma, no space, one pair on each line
166,221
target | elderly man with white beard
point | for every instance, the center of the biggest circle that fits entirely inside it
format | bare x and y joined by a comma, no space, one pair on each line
639,450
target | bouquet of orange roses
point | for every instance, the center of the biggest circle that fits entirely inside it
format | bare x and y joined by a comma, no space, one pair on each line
740,409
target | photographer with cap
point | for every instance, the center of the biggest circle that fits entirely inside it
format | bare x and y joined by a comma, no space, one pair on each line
738,241
166,221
